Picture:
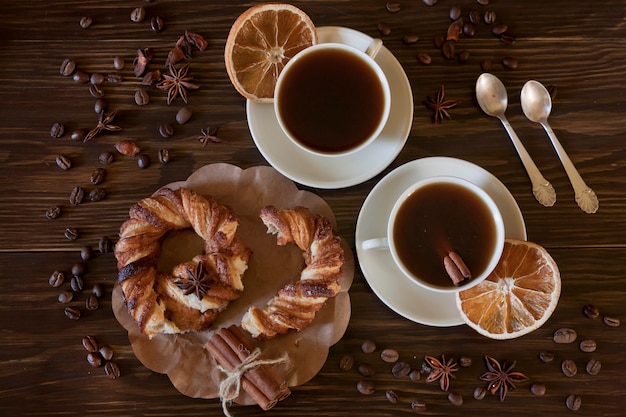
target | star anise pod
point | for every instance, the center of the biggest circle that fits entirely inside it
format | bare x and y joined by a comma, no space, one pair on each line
441,370
501,377
209,135
197,281
177,82
104,123
440,106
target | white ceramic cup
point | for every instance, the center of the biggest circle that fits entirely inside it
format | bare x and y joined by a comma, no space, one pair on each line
285,84
387,242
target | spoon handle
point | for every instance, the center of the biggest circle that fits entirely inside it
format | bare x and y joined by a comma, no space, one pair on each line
542,189
585,197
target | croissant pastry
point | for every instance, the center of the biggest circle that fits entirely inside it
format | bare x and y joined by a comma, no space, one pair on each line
295,305
190,297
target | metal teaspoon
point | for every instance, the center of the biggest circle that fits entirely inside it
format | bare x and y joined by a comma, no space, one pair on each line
492,99
537,104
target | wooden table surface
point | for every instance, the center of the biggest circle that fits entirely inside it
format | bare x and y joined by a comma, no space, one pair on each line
576,46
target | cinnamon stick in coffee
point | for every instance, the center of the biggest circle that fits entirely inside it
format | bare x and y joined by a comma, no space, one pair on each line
456,268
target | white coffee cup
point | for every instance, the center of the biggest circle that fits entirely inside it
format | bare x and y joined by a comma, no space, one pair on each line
332,99
420,199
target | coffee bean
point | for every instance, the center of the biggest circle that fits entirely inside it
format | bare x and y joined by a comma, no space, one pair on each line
164,156
138,14
98,290
183,115
424,58
588,346
78,135
430,2
499,29
415,375
53,212
346,362
98,176
509,62
465,361
65,297
455,398
410,38
546,357
90,344
85,22
469,29
507,38
157,24
569,368
57,130
463,56
77,283
67,67
112,370
564,335
479,393
418,406
143,161
79,268
368,346
106,158
80,77
389,355
96,78
391,396
118,63
486,65
86,252
96,90
64,162
537,388
92,303
366,387
94,359
97,194
448,50
72,313
166,130
573,402
455,13
489,17
77,195
142,97
400,369
105,245
115,77
593,367
611,321
106,352
384,28
56,279
438,41
474,16
366,369
127,147
100,106
71,233
393,7
483,2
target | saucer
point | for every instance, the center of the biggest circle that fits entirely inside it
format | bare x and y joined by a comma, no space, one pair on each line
339,171
388,283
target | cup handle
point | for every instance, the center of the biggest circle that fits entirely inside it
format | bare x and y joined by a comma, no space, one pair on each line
374,47
376,243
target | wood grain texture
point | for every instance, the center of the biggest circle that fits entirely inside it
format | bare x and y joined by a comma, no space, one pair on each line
576,46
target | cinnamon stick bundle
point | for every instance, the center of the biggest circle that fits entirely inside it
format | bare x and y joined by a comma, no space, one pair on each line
230,347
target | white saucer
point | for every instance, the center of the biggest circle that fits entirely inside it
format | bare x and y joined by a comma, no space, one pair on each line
394,289
344,171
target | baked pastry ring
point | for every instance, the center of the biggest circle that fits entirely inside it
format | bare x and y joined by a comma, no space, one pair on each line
295,305
190,297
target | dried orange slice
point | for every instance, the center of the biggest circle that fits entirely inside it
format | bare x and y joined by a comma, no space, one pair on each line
517,297
261,42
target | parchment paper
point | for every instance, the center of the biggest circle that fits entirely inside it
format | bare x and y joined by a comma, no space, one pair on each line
182,357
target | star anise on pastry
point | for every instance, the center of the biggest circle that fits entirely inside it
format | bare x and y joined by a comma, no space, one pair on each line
104,123
440,106
209,135
501,377
197,281
177,82
441,370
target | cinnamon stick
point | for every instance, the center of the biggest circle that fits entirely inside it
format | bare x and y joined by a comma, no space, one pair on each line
456,268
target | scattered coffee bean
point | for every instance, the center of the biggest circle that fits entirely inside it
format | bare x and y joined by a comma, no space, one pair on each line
143,161
100,106
72,313
393,7
611,321
365,386
106,352
384,28
483,2
469,29
166,130
588,346
90,344
56,279
430,2
66,297
564,335
92,303
368,346
80,77
53,212
118,63
489,17
157,24
509,62
142,97
97,194
138,14
465,361
455,398
64,162
106,158
67,67
475,17
98,176
366,369
546,357
71,233
537,388
115,77
455,13
486,65
77,195
569,368
463,56
418,406
94,359
57,130
77,283
86,252
400,369
96,78
105,245
98,290
593,367
164,156
448,50
507,38
410,38
389,355
424,58
573,402
183,115
391,396
479,393
78,135
112,370
346,362
127,147
85,22
79,268
499,29
96,90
